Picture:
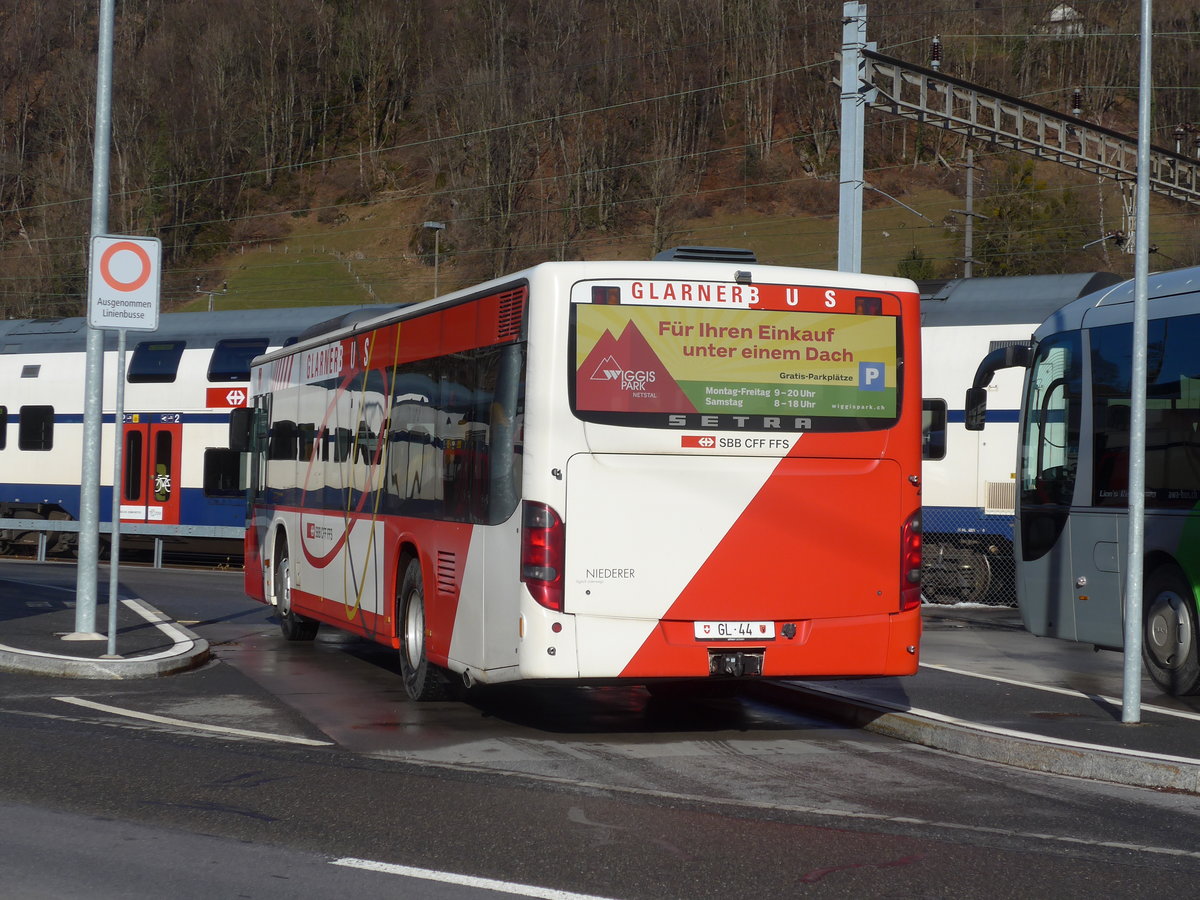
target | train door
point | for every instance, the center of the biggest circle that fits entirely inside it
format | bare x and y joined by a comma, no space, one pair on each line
151,489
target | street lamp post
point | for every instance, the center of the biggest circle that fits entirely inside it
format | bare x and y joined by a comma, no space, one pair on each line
436,228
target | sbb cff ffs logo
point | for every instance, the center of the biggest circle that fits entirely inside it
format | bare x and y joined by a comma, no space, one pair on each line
226,398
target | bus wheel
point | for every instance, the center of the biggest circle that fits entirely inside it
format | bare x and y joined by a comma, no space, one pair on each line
422,681
294,626
1169,636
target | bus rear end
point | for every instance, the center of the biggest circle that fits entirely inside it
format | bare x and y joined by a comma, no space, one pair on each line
741,487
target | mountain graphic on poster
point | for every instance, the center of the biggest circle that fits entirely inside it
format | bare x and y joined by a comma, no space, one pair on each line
625,375
608,368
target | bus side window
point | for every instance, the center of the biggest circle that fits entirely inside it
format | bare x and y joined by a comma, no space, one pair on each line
308,440
933,429
284,440
343,442
506,414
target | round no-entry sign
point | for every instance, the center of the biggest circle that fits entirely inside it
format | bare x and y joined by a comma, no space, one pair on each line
123,282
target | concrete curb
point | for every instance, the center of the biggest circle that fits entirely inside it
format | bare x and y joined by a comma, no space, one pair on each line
1012,748
187,651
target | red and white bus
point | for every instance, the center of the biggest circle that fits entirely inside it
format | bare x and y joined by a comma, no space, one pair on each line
592,471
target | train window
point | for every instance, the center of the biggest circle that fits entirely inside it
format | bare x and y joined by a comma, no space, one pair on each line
231,359
36,428
155,362
162,467
3,426
933,429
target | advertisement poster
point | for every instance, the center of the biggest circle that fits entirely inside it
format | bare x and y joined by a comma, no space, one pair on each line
734,361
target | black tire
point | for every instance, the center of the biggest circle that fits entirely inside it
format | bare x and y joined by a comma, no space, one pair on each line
294,626
1169,635
422,681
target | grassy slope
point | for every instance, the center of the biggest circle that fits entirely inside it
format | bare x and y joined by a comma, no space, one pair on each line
365,257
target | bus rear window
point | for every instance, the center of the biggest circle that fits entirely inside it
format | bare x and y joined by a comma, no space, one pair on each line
767,366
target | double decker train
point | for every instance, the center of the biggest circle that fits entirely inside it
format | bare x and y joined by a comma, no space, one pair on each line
181,383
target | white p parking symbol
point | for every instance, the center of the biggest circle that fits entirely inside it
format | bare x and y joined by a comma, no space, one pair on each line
871,376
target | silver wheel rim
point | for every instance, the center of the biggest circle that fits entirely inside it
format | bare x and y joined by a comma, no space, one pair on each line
1169,630
284,587
414,628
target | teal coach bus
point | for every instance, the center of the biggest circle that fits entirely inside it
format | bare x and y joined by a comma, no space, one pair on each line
1073,468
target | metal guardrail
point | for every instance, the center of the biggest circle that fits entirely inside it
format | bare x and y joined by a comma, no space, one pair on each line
43,527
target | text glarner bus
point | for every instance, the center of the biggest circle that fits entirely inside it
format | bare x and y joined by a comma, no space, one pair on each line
594,471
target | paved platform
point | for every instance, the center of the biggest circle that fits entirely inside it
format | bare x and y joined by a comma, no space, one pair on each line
36,619
988,689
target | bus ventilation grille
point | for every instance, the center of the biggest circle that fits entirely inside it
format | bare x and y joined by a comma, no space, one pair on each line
708,254
511,314
446,566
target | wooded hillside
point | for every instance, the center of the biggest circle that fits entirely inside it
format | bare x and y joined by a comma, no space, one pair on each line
542,129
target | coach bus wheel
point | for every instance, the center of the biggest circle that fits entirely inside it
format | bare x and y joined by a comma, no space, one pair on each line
1169,636
421,680
294,626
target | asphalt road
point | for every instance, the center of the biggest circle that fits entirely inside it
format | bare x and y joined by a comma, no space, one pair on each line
111,788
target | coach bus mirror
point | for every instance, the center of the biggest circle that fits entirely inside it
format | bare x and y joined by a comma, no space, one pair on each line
241,424
976,408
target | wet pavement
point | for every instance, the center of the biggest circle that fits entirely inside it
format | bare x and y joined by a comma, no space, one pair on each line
986,689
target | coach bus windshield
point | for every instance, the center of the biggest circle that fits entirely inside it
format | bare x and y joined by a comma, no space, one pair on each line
1050,442
753,358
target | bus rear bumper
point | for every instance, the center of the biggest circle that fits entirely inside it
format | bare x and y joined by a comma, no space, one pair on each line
859,646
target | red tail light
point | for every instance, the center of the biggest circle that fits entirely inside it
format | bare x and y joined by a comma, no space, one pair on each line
543,542
910,563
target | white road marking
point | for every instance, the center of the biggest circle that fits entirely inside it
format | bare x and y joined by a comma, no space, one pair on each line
486,884
180,640
196,726
1006,732
1115,701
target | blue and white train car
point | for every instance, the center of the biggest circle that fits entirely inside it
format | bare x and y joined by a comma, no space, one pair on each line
968,478
181,383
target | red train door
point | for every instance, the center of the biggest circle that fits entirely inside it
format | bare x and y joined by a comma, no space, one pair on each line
150,489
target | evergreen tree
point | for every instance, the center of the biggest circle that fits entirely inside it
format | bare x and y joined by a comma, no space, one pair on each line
1031,228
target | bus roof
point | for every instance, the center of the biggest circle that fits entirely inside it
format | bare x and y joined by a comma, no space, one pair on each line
1168,283
1005,300
624,269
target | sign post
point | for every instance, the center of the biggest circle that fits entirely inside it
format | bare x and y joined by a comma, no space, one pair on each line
124,280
